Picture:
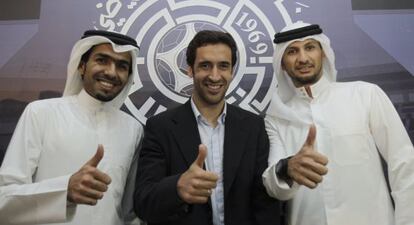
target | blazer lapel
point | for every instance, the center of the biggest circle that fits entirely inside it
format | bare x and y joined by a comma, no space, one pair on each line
186,132
234,146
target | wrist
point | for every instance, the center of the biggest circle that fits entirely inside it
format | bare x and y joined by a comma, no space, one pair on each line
282,170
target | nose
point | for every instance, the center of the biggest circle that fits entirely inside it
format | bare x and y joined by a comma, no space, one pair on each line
215,74
303,57
110,69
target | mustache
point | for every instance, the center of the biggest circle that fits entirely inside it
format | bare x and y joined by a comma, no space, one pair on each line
304,65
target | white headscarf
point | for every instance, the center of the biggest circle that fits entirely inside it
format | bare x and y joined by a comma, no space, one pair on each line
74,82
285,89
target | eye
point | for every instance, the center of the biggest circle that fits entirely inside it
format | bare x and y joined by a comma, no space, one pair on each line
204,66
123,66
101,60
224,66
310,47
291,51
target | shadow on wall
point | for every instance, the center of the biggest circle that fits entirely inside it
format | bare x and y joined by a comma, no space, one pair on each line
10,112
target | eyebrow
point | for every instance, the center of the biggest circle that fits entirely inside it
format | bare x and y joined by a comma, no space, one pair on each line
225,62
104,55
311,42
308,42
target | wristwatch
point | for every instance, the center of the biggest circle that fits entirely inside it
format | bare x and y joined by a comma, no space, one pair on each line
282,171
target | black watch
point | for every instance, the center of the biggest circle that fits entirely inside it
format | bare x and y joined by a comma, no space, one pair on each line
282,171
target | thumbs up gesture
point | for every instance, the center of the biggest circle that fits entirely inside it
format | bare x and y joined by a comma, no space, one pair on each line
88,185
308,166
194,185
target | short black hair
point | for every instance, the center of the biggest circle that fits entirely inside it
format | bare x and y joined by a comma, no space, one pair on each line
206,37
86,55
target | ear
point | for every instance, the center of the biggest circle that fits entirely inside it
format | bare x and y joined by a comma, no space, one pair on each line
82,68
190,72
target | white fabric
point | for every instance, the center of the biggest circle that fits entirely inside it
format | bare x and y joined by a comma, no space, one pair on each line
74,81
352,121
284,91
53,139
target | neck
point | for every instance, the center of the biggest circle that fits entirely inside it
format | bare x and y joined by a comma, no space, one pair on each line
210,112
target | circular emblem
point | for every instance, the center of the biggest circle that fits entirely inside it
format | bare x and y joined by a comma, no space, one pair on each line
163,30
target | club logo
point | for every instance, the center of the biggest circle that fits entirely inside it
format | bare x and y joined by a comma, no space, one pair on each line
163,29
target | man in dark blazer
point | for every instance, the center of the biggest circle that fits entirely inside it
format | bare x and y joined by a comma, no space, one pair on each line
201,163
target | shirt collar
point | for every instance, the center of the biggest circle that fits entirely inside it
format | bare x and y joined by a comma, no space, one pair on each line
90,102
221,119
316,88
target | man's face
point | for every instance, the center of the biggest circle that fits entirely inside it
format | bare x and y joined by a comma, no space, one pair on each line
105,73
302,60
212,74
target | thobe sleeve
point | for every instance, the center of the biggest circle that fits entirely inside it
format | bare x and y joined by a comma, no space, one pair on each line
275,186
130,217
395,146
23,201
265,209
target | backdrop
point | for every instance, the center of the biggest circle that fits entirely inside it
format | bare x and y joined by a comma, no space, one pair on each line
373,41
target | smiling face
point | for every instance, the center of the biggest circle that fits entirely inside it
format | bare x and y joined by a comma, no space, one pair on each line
302,60
105,73
212,74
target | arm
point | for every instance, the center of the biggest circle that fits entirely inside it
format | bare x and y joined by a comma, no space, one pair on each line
130,218
306,167
266,208
395,146
21,199
156,198
275,186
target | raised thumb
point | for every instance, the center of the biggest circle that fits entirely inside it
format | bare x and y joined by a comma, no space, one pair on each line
310,140
202,154
94,161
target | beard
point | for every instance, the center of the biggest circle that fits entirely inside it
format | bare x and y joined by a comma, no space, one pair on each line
105,98
101,94
305,80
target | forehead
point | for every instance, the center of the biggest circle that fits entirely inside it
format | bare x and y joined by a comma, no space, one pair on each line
296,44
214,52
106,49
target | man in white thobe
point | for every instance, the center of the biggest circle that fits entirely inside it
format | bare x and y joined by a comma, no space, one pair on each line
69,158
326,139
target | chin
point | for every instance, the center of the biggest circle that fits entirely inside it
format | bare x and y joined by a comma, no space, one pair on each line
104,97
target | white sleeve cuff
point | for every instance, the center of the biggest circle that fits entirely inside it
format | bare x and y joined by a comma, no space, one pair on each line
42,202
278,188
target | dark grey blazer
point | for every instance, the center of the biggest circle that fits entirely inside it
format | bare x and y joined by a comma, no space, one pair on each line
170,146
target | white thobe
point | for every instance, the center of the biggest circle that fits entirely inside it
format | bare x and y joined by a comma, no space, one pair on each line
53,139
352,121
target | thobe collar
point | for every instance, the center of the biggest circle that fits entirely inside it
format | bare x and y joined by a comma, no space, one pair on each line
317,89
91,103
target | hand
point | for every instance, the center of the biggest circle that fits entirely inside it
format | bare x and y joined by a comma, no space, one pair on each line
308,166
195,184
88,185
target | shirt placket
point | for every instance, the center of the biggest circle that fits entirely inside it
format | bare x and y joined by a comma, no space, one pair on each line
322,144
215,142
98,124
